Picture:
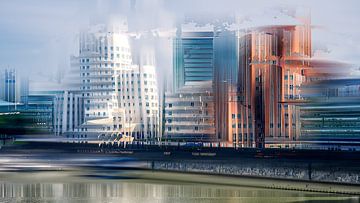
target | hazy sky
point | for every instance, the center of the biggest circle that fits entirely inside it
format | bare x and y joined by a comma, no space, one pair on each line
38,36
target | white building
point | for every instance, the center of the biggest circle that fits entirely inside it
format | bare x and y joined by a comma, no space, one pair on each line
117,97
189,113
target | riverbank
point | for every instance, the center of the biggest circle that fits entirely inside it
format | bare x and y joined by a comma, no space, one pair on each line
331,172
256,182
148,186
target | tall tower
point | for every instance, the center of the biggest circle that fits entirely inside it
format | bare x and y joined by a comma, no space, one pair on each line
272,60
102,54
193,55
112,96
10,85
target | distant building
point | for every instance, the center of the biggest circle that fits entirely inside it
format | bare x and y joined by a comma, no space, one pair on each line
226,80
13,88
332,119
2,85
40,108
10,85
24,90
38,111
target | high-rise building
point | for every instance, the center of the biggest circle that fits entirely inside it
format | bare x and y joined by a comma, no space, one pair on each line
193,59
226,76
13,88
272,60
10,85
101,56
2,85
189,109
113,96
24,90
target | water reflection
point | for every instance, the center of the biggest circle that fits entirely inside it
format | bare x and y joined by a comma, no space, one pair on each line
74,189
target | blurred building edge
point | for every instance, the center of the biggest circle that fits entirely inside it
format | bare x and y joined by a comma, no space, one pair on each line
272,60
331,118
193,55
258,73
20,111
189,108
108,94
13,87
33,117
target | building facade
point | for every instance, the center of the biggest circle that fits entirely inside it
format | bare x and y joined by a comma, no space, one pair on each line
13,87
257,84
332,119
189,114
189,108
193,58
111,95
10,85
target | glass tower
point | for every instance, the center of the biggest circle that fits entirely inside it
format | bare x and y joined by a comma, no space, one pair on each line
193,57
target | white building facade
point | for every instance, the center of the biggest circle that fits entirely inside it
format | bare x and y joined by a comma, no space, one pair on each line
112,96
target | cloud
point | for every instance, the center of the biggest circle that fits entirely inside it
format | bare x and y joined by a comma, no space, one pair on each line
40,35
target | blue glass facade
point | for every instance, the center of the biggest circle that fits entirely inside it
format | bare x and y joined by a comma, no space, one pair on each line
193,57
10,86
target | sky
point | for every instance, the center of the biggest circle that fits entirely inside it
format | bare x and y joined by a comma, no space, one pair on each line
37,37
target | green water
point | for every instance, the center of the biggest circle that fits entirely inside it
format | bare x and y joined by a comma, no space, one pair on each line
68,187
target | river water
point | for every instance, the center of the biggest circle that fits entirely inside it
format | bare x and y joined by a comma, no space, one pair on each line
53,186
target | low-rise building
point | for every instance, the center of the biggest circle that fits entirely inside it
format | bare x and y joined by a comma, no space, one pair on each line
189,113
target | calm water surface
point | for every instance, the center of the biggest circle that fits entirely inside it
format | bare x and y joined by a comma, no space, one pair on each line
71,187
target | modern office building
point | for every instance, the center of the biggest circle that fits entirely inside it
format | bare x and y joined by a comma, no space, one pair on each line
13,88
261,104
189,113
226,57
113,96
24,89
2,85
332,119
38,111
10,85
193,55
40,108
189,108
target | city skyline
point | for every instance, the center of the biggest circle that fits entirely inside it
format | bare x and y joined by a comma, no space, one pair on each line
179,101
233,83
55,42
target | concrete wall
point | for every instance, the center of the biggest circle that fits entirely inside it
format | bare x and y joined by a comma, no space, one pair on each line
270,169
